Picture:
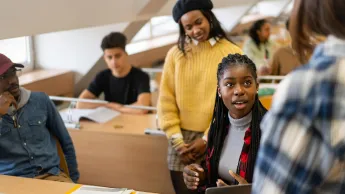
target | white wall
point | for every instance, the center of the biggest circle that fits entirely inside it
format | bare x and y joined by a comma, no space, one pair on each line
76,50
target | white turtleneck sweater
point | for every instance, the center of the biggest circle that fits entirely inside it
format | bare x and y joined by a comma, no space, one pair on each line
232,147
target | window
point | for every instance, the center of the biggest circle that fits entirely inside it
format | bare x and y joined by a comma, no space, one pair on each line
19,50
157,27
266,8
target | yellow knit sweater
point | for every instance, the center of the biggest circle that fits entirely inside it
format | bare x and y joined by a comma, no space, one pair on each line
188,86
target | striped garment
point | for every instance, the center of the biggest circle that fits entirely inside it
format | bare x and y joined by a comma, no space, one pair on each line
174,161
303,135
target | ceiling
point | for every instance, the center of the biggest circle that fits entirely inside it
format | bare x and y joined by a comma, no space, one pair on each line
23,18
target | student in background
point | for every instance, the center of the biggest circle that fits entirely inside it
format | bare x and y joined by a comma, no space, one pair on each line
259,47
121,83
27,131
186,98
303,140
284,60
234,136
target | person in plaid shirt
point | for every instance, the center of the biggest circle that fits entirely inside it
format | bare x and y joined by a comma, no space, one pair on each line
302,148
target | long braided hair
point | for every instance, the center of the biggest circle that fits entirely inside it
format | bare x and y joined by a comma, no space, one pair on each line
220,121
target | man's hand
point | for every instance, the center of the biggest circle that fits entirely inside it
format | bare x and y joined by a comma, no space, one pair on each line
6,99
114,106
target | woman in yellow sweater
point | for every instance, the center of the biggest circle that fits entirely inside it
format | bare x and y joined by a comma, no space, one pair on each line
186,99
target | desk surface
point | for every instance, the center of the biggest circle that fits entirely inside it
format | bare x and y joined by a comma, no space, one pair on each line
140,159
124,123
17,185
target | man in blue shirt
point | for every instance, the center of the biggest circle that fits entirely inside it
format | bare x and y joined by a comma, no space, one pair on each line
28,131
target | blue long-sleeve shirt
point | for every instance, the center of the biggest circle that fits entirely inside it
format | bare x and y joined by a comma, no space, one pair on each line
30,149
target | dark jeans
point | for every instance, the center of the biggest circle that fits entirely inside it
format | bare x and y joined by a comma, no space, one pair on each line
178,183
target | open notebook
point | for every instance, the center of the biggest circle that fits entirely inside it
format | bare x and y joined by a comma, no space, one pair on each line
99,115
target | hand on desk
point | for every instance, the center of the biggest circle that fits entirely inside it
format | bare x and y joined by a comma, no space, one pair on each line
6,99
113,105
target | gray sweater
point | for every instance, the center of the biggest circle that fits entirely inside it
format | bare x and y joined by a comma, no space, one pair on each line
232,147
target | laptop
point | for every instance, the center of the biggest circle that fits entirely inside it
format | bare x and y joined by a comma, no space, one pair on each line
236,189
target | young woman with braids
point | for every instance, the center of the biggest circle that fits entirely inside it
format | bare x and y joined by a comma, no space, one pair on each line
186,96
234,135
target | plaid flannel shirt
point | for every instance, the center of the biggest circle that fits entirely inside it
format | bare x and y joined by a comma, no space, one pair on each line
303,142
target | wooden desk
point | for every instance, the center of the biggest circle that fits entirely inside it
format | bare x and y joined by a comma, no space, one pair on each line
52,82
17,185
124,157
124,124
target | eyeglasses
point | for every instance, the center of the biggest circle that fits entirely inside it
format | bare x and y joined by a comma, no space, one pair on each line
10,74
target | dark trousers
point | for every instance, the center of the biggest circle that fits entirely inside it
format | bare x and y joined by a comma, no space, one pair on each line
178,183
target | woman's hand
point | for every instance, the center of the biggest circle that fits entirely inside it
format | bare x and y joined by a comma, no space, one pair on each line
220,183
197,147
238,178
185,155
192,175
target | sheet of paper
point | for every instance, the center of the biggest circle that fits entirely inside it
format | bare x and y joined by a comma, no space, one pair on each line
74,115
85,189
99,115
102,115
154,132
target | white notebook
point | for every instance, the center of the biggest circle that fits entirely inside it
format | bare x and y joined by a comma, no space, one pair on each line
98,115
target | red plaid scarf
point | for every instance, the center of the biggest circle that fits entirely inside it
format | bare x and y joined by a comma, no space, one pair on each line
243,160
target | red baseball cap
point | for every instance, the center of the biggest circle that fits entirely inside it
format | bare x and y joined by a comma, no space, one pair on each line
6,63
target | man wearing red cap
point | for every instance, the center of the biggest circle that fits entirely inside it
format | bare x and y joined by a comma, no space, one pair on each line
28,124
